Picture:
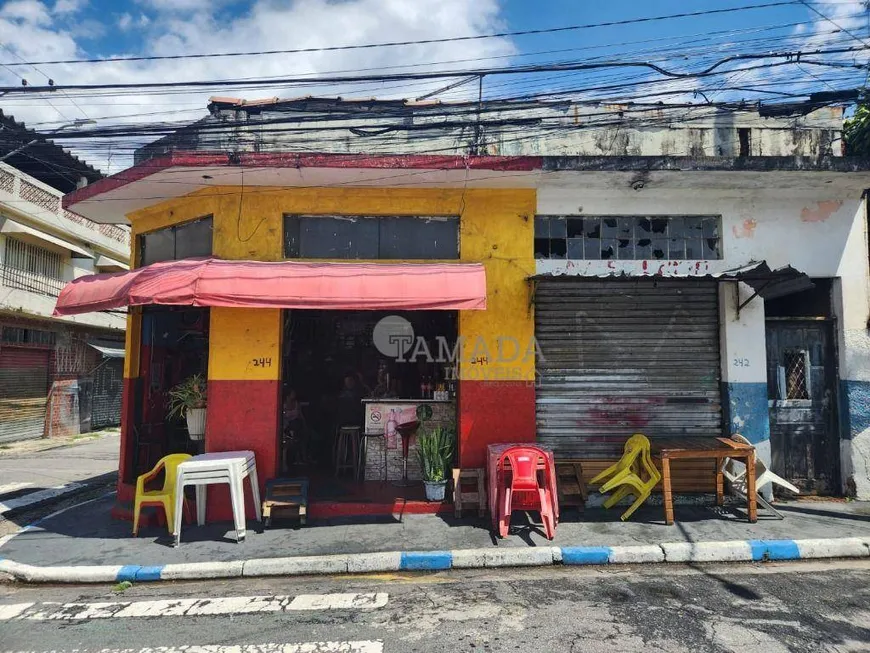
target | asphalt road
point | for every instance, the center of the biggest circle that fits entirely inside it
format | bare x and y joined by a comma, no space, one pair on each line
808,606
23,464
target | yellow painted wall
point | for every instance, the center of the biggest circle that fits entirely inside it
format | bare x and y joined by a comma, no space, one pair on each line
244,344
132,342
496,228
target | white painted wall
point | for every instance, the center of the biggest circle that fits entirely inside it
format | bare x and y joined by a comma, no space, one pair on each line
823,236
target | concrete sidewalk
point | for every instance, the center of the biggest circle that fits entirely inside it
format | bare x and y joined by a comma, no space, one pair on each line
86,536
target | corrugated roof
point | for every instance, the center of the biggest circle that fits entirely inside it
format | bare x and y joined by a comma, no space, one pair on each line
44,160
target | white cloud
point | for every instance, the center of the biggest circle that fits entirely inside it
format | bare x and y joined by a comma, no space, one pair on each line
28,29
26,11
66,7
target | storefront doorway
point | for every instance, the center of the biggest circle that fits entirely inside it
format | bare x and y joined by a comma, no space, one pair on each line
333,361
802,389
625,356
174,347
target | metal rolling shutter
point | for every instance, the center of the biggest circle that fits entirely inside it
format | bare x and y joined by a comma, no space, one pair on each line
621,357
23,392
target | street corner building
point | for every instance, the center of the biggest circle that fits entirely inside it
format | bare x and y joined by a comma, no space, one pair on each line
548,273
59,375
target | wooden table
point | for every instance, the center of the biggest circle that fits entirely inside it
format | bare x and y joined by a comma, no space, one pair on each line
668,449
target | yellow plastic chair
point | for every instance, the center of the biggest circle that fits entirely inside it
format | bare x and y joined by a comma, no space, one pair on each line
634,474
165,496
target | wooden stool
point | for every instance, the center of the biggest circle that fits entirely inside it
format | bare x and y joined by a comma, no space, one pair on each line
286,493
572,488
472,498
347,450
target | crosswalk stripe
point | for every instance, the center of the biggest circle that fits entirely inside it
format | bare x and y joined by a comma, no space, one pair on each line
338,601
36,497
9,488
361,646
191,607
13,610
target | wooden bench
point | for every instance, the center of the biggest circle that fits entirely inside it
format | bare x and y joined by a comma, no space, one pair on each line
469,491
286,494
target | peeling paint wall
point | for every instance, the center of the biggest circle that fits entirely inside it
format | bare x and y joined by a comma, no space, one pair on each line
531,128
823,237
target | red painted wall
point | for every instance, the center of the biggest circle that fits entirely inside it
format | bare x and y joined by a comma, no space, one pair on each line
242,415
492,412
126,452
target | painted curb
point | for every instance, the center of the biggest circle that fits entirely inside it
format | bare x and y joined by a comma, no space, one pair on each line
357,563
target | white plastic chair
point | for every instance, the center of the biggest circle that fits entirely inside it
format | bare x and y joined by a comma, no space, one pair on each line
735,472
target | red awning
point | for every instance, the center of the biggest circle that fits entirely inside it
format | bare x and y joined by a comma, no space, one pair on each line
286,284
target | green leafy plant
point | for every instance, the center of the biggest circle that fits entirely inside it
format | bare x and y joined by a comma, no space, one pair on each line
856,132
190,393
435,452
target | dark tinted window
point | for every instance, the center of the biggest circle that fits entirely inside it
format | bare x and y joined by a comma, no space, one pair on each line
188,240
361,237
193,239
418,238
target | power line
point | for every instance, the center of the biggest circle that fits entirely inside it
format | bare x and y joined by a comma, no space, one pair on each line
478,37
790,56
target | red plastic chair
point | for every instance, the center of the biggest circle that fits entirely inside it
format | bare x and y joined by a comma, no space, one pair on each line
524,478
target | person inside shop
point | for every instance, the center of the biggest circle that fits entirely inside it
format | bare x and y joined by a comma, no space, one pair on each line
295,430
353,391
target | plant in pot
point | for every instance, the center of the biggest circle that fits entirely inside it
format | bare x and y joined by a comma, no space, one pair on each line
187,400
435,451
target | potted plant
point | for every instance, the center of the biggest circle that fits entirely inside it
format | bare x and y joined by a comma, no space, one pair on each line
187,400
435,452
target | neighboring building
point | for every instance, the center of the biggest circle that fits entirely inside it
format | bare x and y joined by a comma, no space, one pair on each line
68,369
630,248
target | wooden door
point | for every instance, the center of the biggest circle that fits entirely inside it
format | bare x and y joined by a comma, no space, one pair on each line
801,381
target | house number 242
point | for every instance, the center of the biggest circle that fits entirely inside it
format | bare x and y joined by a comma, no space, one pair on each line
741,362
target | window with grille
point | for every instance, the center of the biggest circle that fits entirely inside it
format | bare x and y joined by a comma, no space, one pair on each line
794,375
628,238
29,267
10,335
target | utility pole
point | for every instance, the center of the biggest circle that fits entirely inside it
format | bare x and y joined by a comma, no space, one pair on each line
477,145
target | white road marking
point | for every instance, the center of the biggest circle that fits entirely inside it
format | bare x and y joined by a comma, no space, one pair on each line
36,497
191,607
13,487
12,611
361,646
338,601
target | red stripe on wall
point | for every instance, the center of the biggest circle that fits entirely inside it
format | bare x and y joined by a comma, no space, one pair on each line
493,412
242,415
124,462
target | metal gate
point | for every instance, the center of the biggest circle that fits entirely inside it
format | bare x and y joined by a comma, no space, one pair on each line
23,392
618,357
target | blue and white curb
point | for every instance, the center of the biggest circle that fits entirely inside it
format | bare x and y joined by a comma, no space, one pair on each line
356,563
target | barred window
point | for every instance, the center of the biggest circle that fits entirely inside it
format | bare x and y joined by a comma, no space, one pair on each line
30,267
11,335
628,238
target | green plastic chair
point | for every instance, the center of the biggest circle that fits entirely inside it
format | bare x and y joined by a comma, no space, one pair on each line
634,474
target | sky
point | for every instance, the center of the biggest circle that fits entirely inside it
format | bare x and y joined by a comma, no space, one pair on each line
48,30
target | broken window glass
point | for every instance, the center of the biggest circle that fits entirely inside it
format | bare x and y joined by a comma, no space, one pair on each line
627,238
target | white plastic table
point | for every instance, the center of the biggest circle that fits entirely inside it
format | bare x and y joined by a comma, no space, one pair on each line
229,467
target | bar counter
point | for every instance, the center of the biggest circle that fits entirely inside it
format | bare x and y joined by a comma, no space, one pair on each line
377,412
